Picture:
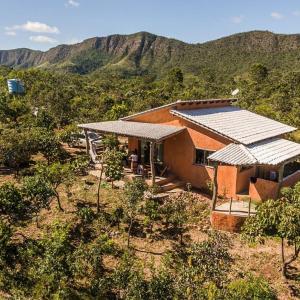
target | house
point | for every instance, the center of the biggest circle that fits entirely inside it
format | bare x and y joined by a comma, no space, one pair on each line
212,141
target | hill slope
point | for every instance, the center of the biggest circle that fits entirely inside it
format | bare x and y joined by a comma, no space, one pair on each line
148,53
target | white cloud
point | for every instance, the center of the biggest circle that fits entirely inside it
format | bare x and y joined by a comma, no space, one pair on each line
277,15
34,27
72,3
296,13
42,39
11,33
237,19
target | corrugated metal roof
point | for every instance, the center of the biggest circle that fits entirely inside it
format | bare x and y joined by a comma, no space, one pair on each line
234,123
274,151
154,132
233,154
267,152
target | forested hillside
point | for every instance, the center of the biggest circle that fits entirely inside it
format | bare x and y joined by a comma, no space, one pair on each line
146,53
66,234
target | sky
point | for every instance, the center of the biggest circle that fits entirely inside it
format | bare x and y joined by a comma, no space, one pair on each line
42,24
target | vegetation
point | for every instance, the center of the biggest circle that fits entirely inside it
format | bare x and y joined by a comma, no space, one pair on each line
279,218
131,245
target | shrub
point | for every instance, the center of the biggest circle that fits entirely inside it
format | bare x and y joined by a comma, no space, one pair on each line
86,214
249,288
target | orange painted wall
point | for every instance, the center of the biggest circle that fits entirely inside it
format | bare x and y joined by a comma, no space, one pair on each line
132,144
231,223
243,179
227,178
179,152
291,180
263,189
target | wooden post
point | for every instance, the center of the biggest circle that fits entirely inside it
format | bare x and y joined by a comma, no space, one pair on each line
249,207
87,142
280,179
152,146
215,187
230,205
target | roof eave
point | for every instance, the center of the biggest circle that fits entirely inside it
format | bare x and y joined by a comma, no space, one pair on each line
158,140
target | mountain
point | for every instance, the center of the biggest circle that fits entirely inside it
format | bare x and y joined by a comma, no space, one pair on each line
148,53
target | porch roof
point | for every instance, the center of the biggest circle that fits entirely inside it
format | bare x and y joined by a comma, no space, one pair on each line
268,152
147,131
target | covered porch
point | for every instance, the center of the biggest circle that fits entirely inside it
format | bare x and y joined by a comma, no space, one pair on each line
146,140
262,168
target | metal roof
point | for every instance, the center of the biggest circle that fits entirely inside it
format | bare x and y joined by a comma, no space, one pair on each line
267,152
148,131
235,124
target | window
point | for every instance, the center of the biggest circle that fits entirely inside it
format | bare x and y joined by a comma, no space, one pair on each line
201,157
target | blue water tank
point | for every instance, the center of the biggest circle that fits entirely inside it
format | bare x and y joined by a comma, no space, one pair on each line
15,86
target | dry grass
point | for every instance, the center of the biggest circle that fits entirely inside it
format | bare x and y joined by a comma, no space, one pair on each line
259,259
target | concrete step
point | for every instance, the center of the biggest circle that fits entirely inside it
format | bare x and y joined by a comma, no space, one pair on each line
172,185
165,180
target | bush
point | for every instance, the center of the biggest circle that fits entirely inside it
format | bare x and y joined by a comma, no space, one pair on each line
248,289
11,201
86,214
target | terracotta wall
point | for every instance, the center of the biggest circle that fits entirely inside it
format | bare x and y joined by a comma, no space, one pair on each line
291,179
222,221
132,144
243,179
263,189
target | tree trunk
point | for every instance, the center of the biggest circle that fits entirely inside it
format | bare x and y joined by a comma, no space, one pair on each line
129,231
283,268
37,220
58,201
98,192
181,237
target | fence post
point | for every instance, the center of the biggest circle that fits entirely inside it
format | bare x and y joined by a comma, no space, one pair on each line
230,205
249,208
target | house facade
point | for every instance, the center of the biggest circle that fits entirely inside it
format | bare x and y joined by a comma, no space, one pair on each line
213,143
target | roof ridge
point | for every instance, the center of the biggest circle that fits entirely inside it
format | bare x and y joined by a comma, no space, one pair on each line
248,152
178,102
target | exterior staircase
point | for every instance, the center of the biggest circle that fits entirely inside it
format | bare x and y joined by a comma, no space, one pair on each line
170,183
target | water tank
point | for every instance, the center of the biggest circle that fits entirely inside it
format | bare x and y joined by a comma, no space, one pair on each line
15,86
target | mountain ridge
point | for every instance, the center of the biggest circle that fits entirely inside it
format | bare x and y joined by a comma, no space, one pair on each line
144,52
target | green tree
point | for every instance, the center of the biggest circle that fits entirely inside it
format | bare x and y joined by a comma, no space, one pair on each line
45,120
49,145
117,111
51,269
278,218
56,175
12,109
258,72
128,279
200,269
175,211
133,195
16,148
38,192
11,202
113,165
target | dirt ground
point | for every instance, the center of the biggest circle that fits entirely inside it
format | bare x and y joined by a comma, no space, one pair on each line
259,259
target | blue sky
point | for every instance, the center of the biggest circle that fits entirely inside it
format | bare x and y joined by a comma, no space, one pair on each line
42,24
